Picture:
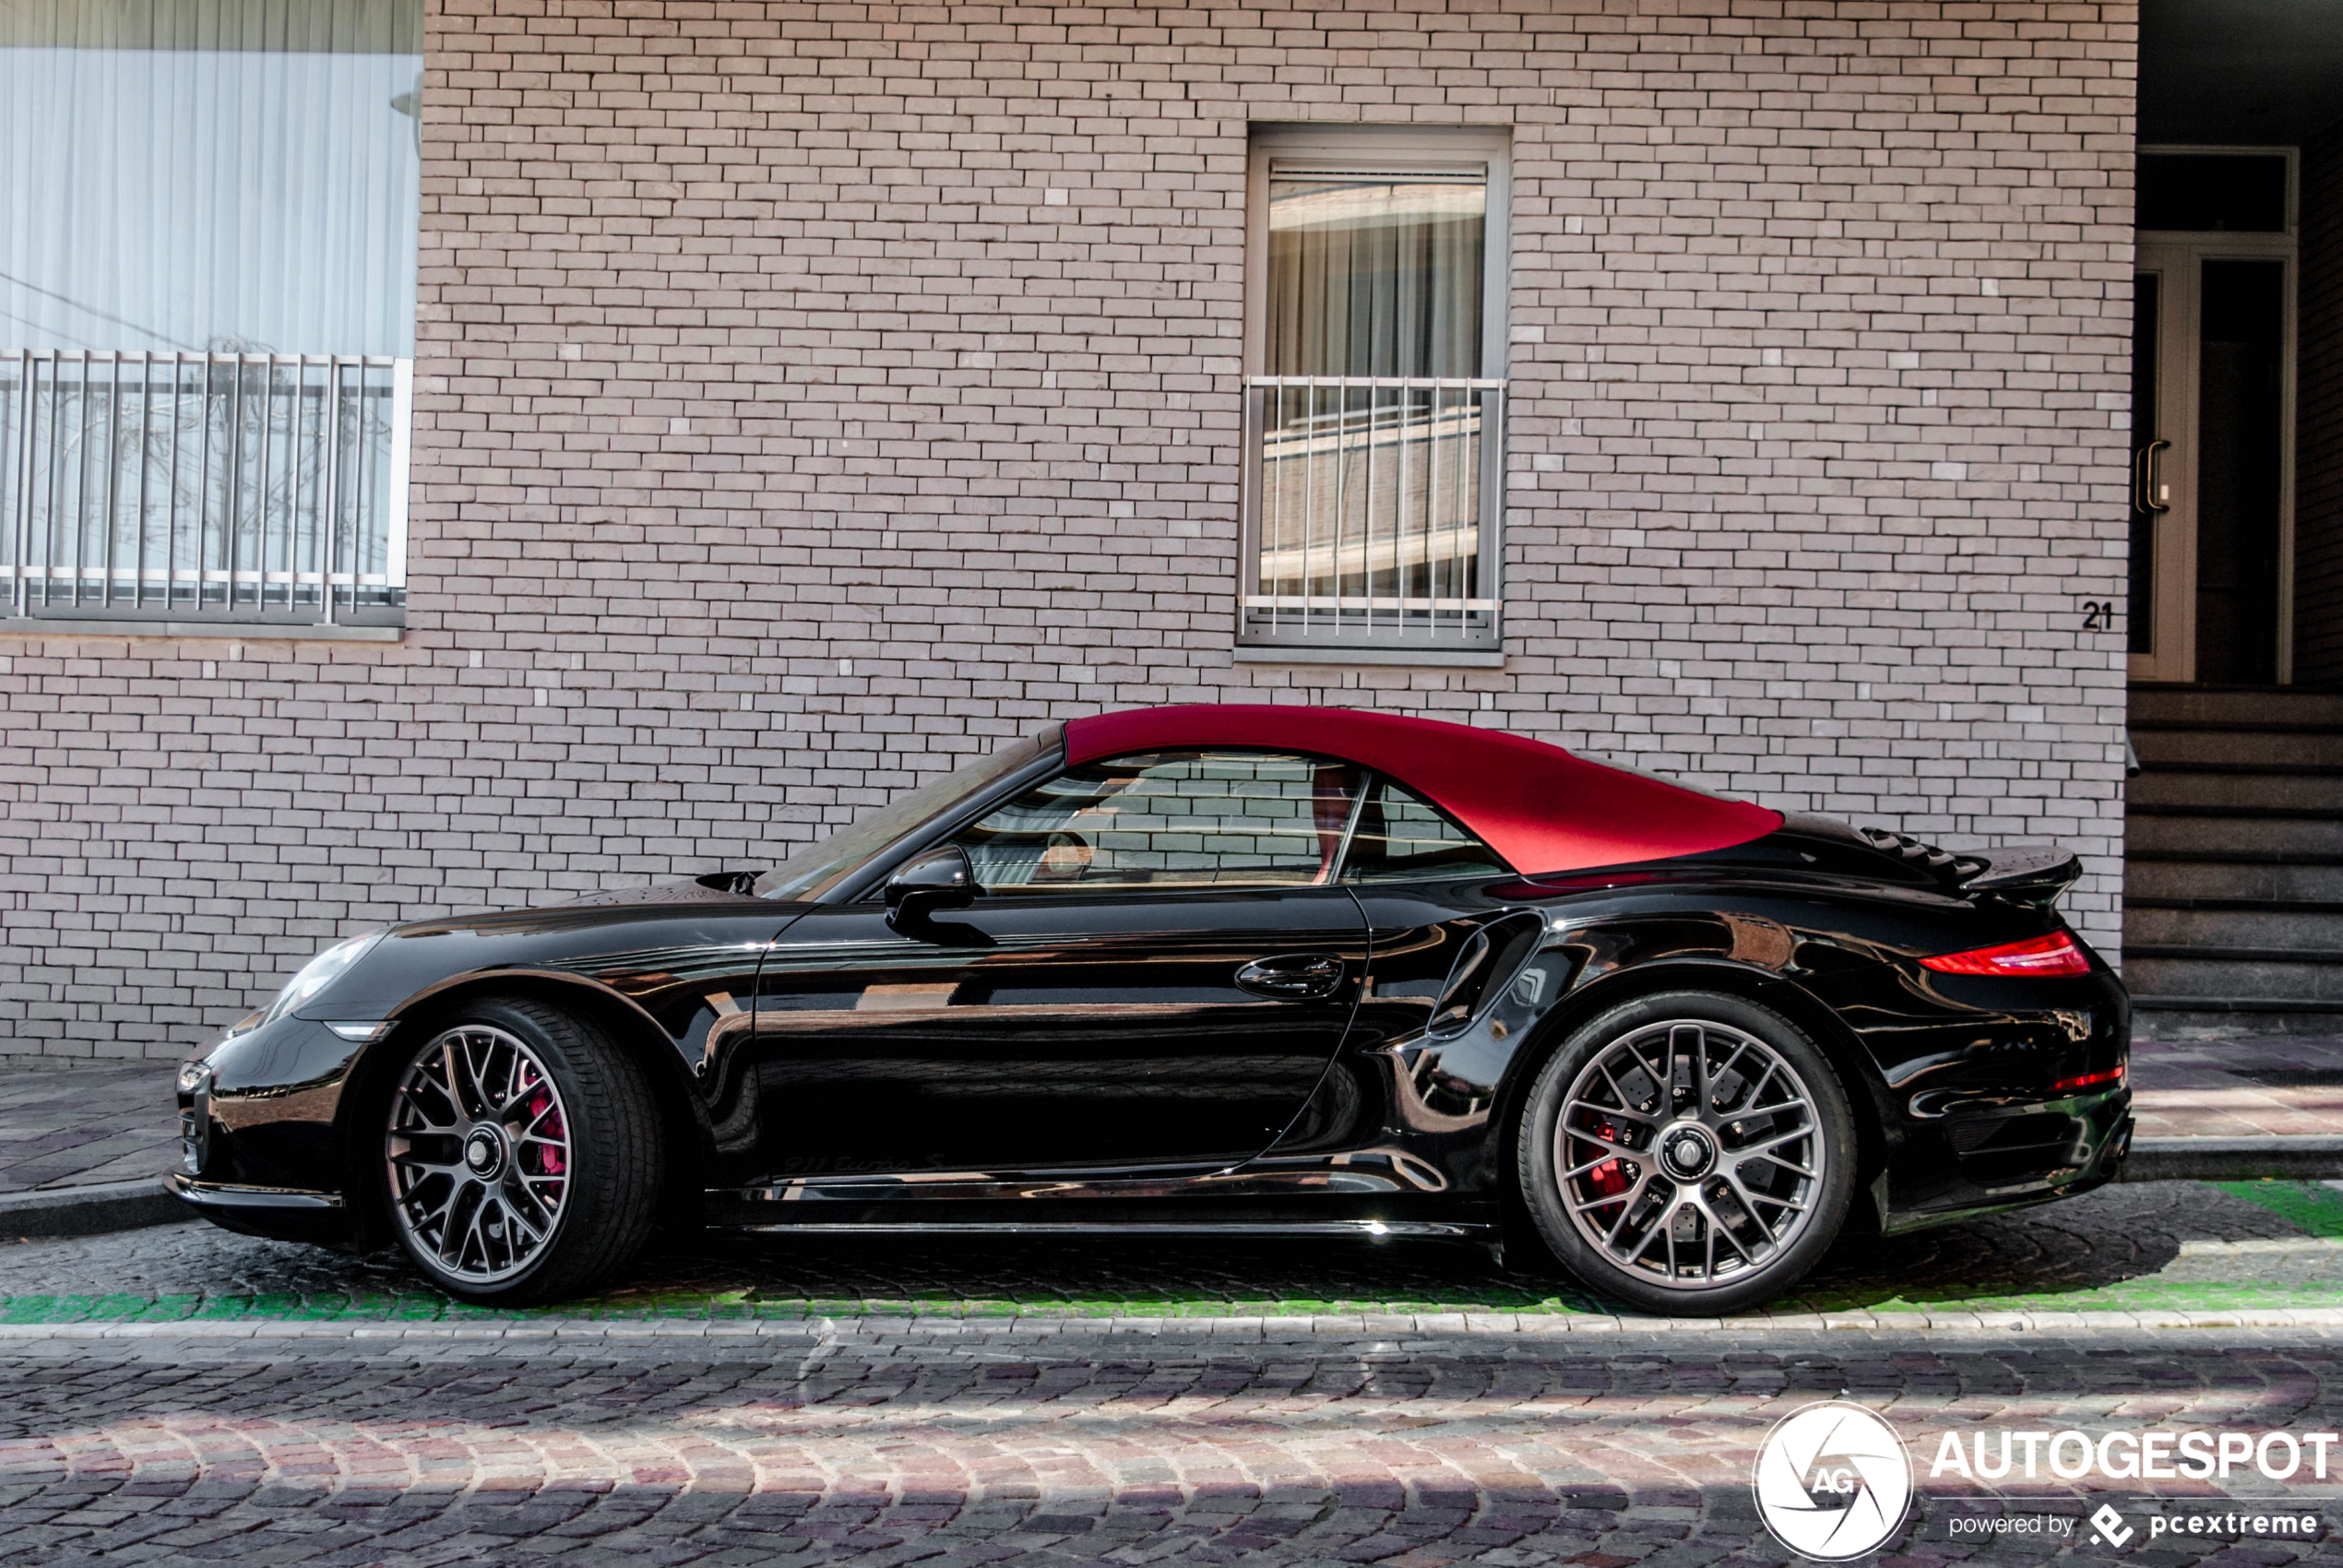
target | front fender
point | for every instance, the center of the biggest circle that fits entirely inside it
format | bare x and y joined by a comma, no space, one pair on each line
679,960
698,1111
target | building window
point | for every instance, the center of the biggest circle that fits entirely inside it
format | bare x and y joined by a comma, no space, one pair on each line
1375,405
208,222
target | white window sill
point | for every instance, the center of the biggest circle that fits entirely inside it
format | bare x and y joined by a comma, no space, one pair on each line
52,628
1404,658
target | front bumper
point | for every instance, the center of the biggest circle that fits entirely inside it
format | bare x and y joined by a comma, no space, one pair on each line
257,1108
284,1214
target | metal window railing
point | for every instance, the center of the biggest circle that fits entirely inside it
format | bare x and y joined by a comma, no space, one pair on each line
1372,511
206,487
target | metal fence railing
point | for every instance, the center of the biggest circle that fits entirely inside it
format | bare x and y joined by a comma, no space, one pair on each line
1372,511
211,487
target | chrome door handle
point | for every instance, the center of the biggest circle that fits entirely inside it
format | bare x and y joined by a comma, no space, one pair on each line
1292,977
2149,493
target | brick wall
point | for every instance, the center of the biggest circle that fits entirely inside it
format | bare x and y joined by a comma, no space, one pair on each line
780,438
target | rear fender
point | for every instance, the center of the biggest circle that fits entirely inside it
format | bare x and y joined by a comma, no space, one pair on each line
1874,1134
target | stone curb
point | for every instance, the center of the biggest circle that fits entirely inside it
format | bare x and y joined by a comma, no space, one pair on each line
1392,1330
89,1210
2308,1158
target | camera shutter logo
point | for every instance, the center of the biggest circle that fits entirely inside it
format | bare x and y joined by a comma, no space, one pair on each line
1833,1481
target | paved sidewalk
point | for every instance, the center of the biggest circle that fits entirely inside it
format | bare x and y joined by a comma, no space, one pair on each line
81,1125
2251,1086
84,1126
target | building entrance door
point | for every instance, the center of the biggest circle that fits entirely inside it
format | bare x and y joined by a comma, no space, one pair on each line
2211,589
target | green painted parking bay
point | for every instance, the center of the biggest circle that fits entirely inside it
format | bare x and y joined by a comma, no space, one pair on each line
2156,1247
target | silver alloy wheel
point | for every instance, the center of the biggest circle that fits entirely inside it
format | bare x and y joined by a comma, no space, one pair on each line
479,1154
1689,1153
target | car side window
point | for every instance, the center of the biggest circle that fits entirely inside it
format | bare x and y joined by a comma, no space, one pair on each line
1401,839
1170,820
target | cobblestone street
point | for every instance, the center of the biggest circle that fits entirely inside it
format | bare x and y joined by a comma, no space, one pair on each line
911,1445
796,1401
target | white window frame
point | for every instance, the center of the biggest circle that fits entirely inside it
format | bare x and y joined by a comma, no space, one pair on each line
172,540
1480,638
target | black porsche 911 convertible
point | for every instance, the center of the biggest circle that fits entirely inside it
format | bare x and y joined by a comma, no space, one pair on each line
1270,970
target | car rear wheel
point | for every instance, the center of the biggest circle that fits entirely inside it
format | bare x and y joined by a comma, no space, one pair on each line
1688,1153
521,1154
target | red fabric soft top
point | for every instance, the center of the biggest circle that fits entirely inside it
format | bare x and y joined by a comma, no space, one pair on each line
1539,807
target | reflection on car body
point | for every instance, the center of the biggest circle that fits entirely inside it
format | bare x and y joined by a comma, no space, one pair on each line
1284,970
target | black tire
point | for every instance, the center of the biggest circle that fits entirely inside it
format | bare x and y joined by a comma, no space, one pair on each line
1672,1209
544,1180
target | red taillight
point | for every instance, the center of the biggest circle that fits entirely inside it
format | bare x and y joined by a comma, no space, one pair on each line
2057,954
2088,1081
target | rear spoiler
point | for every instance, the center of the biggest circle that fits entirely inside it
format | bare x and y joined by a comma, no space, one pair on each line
2023,873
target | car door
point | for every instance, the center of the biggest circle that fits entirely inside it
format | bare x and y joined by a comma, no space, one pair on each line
1440,943
1155,971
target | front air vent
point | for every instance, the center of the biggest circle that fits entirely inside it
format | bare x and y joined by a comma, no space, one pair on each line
1926,857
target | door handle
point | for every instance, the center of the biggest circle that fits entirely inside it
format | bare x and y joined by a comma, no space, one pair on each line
2149,493
1292,977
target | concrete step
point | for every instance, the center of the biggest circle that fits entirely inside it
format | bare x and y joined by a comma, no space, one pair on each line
2233,897
2155,875
2218,836
2227,924
2234,764
2233,704
2300,745
2289,790
2220,973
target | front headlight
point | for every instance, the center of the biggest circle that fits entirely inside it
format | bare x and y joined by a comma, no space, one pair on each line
318,973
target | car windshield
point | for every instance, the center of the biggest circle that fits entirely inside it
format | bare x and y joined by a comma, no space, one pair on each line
824,863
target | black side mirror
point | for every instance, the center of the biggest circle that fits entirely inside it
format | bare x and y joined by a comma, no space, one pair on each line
938,879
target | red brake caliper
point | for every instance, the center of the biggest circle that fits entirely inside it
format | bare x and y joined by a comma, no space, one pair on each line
548,1157
1607,1179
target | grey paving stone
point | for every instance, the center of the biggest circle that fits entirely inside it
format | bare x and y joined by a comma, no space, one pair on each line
1636,1452
72,1125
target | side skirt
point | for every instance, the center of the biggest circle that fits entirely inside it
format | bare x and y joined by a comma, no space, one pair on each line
1369,1230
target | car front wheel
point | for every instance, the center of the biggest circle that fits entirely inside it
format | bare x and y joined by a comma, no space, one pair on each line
521,1154
1688,1153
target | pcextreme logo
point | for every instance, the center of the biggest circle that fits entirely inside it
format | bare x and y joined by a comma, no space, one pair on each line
1832,1480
